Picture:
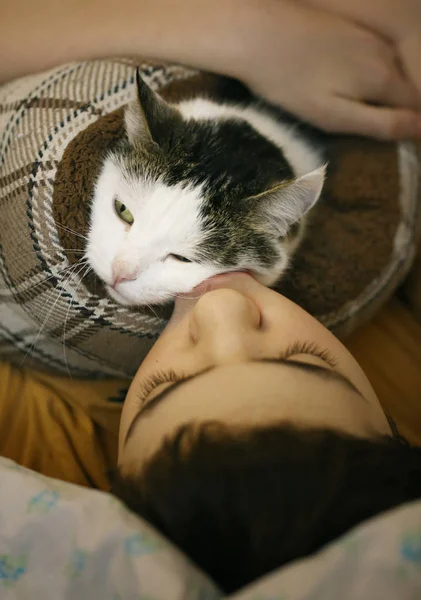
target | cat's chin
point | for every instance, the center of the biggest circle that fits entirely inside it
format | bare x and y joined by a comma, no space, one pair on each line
119,297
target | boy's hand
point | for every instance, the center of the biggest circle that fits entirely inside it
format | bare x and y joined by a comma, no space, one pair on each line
399,21
330,72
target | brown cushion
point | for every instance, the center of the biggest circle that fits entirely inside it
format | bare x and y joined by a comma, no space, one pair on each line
56,128
362,238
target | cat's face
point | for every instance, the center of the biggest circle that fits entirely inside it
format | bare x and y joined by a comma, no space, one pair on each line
148,254
181,201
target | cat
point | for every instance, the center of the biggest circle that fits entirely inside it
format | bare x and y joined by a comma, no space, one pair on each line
197,188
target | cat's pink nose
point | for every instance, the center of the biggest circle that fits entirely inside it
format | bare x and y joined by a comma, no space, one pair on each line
121,273
120,279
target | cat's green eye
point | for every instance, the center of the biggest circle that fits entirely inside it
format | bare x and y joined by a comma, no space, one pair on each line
123,212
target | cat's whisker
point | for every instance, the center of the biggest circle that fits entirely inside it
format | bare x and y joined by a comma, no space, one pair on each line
64,332
207,288
199,295
79,250
84,267
44,323
152,310
22,255
72,231
54,275
31,253
88,270
190,297
60,273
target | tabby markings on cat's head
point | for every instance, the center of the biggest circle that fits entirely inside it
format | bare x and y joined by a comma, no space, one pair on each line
197,189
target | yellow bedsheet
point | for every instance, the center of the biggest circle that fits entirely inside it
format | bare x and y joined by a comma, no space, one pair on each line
60,427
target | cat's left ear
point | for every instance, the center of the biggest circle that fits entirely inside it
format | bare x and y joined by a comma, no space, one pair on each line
148,117
284,205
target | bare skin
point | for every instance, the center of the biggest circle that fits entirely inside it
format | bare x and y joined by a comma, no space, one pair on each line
338,74
245,356
397,21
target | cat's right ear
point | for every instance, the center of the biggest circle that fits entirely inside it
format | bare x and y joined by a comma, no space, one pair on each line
148,117
285,204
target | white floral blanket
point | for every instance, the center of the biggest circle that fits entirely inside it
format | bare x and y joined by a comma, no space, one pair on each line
62,542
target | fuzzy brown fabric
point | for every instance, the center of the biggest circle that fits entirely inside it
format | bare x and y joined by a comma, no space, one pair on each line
350,238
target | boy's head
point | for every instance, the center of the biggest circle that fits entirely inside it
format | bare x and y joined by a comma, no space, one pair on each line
242,502
250,436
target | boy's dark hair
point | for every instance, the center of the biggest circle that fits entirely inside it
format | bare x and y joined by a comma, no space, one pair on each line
241,503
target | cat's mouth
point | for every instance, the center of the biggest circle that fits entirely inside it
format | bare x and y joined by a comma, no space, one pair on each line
198,290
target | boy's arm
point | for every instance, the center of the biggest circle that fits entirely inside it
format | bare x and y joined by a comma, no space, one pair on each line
321,67
396,20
